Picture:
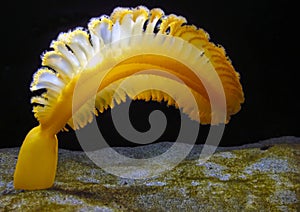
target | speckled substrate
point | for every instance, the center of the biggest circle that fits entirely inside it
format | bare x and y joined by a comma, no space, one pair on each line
260,177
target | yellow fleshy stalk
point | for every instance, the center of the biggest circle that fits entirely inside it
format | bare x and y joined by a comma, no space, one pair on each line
37,161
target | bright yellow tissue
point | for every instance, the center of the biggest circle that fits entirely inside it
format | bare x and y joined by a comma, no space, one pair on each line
37,161
134,40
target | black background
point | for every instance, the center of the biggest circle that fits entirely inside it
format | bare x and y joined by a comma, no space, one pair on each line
259,37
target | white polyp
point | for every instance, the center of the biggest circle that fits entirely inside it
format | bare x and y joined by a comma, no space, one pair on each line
151,25
138,25
126,27
61,47
39,100
51,78
83,42
116,32
45,85
105,33
80,55
95,42
58,63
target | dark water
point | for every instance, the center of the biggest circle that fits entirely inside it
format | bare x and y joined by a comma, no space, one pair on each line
258,36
